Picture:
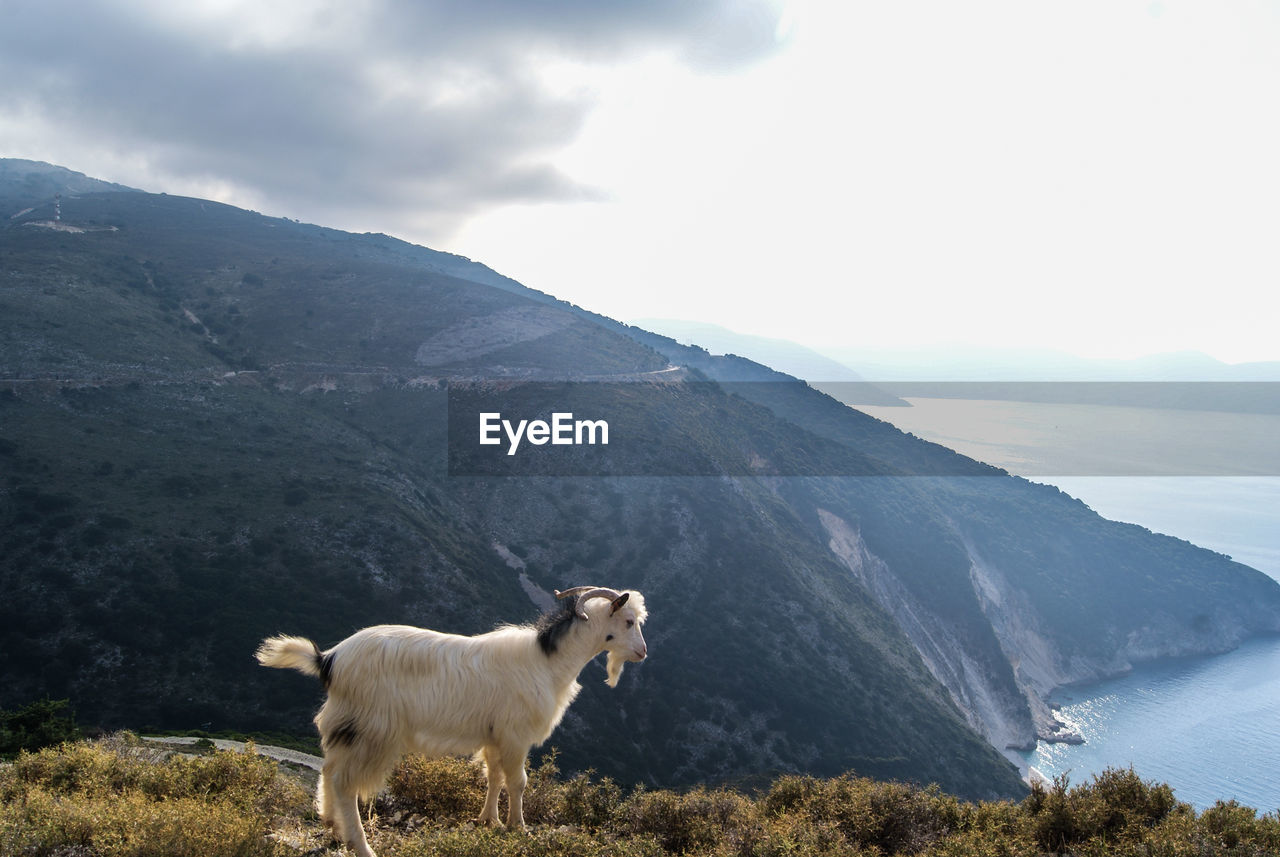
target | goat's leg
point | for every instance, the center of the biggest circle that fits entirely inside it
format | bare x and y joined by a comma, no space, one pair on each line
344,805
492,767
324,797
513,768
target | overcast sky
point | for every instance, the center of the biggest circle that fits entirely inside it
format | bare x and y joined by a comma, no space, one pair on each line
1098,176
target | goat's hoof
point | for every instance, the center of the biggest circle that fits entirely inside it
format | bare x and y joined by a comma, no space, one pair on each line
487,822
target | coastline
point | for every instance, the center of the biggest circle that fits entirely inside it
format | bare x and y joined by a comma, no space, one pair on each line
1208,726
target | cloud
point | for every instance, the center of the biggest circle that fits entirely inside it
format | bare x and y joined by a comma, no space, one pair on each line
709,33
348,113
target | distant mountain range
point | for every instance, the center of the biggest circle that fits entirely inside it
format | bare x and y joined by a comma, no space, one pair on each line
216,425
956,363
781,354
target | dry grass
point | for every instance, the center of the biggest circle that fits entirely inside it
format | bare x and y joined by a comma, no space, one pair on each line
118,798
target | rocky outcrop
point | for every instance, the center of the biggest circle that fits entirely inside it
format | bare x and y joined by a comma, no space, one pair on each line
1041,665
1039,661
987,705
1038,665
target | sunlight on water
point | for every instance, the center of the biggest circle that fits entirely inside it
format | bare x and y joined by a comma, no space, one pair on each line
1209,727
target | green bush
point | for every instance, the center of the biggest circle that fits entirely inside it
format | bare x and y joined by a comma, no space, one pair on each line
1117,812
40,724
1229,825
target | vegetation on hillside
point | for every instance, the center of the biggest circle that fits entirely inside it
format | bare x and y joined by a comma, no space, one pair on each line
174,490
38,724
216,426
119,798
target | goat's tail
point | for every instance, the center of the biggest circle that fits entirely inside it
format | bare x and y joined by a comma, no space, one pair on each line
296,653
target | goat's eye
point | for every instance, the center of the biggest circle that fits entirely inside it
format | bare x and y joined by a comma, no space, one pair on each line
608,638
630,622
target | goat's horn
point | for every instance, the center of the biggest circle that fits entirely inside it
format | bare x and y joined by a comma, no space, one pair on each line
586,592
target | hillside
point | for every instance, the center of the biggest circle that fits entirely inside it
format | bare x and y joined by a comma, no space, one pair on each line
215,426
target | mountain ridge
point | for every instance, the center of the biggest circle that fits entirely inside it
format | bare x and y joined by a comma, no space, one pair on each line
958,364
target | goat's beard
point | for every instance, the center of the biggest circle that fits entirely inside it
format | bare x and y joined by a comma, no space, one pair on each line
613,666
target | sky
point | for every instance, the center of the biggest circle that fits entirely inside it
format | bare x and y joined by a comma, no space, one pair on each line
1095,176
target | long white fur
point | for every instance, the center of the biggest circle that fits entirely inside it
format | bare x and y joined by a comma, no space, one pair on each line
395,689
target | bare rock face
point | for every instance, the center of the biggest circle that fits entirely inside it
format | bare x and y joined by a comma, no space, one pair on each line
475,338
1037,663
1038,658
989,706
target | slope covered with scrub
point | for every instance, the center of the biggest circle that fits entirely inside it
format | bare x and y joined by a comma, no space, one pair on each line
121,798
216,426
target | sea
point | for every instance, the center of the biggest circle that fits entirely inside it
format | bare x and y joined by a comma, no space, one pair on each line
1209,727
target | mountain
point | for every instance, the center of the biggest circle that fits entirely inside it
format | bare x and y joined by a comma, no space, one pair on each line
887,368
29,188
781,354
215,426
992,364
1183,380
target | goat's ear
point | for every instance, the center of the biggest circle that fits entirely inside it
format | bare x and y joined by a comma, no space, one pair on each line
619,601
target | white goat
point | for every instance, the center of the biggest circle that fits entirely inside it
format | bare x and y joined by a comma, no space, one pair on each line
394,689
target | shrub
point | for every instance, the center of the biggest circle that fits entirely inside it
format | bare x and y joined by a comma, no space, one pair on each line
1117,806
991,828
1054,825
588,804
129,825
116,798
119,798
794,835
1230,825
449,790
892,817
42,723
1120,798
685,822
485,842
